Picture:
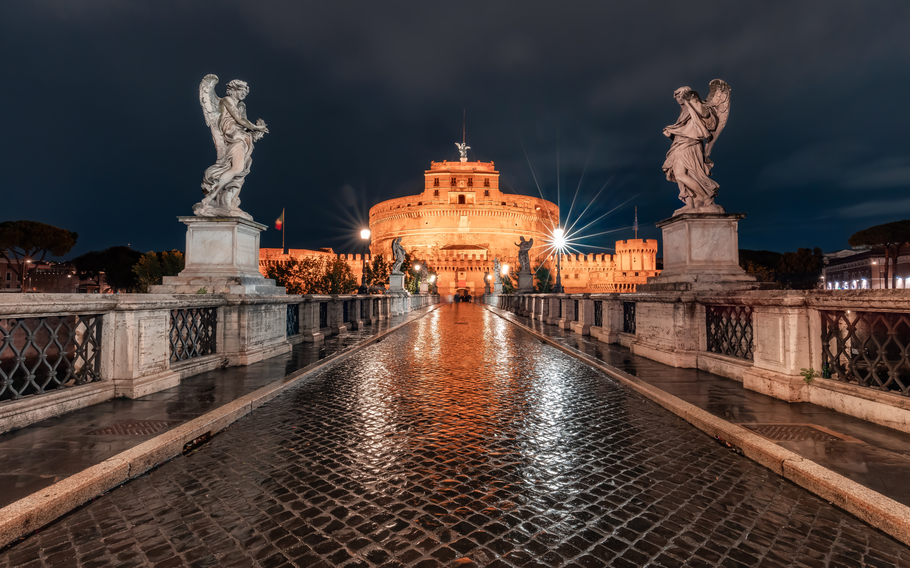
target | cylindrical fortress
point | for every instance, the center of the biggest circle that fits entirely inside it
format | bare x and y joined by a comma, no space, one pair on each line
460,223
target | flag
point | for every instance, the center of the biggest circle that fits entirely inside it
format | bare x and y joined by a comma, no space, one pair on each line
279,221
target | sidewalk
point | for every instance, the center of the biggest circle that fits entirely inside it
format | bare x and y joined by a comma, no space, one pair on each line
871,455
44,453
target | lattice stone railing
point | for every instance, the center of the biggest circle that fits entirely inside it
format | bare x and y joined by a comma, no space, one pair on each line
41,354
192,333
871,349
729,330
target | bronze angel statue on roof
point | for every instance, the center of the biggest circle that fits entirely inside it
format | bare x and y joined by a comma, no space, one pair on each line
693,136
234,135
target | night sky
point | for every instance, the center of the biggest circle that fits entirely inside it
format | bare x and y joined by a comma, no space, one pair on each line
104,134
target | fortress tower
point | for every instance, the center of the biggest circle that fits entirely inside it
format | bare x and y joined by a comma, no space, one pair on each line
460,223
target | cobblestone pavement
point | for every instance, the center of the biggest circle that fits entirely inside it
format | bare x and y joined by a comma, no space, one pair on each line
459,440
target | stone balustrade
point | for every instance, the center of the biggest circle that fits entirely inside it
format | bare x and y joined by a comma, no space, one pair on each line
857,342
59,352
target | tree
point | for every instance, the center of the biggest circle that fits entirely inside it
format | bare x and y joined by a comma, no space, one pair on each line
338,278
378,272
801,270
153,266
891,236
116,263
545,281
302,275
22,241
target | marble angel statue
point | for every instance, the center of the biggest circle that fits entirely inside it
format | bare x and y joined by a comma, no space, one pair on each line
234,136
398,252
497,268
524,260
693,136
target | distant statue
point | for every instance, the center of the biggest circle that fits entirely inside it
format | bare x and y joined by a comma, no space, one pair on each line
234,135
694,134
398,253
524,261
463,150
496,268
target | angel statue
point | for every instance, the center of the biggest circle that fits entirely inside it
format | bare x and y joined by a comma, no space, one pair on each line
688,161
463,150
234,135
398,253
523,261
496,267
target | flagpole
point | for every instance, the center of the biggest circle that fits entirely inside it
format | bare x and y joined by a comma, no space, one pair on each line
282,231
636,223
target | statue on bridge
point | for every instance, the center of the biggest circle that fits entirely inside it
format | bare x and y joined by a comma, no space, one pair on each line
693,136
233,135
399,253
523,259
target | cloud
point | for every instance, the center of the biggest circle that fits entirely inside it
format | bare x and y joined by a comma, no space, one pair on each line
884,207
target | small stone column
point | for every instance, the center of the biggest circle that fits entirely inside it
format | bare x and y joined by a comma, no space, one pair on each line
336,316
585,317
309,321
568,312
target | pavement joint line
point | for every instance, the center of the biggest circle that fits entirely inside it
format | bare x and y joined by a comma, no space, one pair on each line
21,518
880,511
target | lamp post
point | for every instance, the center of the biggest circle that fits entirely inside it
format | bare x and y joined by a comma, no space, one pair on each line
559,242
432,280
365,236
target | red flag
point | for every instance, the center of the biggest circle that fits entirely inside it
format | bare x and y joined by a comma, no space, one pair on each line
279,221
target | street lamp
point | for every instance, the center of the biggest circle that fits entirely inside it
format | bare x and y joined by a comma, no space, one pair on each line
559,242
365,236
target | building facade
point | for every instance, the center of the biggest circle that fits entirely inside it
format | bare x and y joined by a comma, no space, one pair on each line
865,269
461,222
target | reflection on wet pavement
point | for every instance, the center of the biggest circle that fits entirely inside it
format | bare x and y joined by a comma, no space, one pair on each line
880,461
460,440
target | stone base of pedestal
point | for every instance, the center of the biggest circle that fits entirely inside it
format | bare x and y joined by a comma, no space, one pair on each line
525,283
701,252
222,257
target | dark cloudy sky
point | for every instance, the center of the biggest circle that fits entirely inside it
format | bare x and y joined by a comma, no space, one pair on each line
104,134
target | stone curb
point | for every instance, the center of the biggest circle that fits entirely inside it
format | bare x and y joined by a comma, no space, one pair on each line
42,507
881,512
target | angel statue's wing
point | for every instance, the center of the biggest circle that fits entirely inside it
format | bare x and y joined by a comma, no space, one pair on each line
719,100
211,110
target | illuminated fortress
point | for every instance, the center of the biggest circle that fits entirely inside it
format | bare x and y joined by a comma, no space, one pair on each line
462,221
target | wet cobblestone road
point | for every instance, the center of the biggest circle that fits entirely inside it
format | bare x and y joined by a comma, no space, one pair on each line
459,441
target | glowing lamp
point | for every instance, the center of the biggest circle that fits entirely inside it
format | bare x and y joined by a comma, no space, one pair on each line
365,234
559,238
504,269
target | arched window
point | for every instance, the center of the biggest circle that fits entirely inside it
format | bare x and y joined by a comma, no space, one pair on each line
461,200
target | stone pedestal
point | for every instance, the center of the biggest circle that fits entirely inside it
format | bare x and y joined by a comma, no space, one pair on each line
497,285
222,257
424,288
701,252
398,295
525,283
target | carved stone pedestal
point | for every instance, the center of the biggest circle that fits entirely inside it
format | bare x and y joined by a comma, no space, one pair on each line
525,283
222,257
399,296
701,252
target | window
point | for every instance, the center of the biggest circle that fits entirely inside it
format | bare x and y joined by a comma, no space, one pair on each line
486,193
8,276
486,182
453,181
470,182
461,200
435,182
435,193
576,276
